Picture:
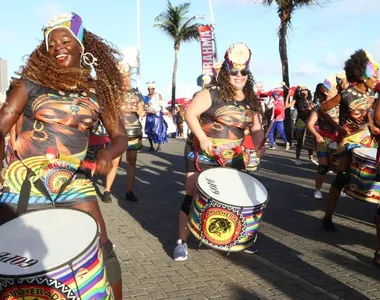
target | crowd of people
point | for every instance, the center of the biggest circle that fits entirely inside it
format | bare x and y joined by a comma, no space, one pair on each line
57,115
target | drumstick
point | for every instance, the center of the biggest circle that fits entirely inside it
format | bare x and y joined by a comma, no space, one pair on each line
284,84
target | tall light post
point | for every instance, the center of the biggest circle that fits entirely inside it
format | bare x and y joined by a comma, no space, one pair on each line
213,30
138,45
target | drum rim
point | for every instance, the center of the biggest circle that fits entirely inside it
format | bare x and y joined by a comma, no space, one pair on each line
44,272
212,198
354,153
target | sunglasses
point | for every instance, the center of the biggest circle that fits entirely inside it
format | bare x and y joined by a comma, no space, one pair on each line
234,72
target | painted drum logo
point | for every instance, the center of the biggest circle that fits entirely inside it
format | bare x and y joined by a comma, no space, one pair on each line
36,289
221,227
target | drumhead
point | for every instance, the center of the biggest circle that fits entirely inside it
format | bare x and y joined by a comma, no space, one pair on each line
43,240
333,146
232,187
368,153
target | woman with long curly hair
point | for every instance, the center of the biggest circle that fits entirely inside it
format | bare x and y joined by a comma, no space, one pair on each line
217,117
354,126
61,103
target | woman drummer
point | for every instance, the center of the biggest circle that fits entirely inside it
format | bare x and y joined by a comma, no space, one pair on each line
61,103
217,117
325,134
354,127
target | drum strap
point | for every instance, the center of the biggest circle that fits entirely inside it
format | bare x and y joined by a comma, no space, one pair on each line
26,187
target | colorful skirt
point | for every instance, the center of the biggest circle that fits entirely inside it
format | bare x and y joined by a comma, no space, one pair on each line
156,128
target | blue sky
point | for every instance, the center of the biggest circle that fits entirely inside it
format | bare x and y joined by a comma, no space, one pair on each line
320,40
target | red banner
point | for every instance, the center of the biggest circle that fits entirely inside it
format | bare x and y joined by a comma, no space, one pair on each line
205,37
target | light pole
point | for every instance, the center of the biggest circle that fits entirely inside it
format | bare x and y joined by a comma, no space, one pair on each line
213,30
138,45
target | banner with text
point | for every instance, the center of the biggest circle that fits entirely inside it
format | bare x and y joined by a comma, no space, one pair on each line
205,37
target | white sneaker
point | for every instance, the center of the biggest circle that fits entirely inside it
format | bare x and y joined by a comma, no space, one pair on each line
318,195
298,162
287,146
314,161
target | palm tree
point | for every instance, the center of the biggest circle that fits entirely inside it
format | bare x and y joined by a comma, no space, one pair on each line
285,10
174,23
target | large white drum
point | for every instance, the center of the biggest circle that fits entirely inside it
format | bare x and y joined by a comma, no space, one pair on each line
227,209
52,254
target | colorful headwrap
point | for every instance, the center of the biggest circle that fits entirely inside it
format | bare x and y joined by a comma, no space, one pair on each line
328,84
371,68
70,21
150,84
238,56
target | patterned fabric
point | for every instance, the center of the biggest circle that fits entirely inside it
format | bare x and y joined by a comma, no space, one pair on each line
324,127
224,123
130,118
354,109
53,141
323,148
354,117
303,109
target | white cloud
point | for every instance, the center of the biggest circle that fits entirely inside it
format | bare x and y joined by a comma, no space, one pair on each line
49,9
333,61
305,69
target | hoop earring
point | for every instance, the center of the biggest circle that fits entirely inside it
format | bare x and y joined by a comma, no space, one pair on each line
38,133
89,59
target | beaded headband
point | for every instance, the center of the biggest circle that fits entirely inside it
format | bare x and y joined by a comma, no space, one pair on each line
238,56
69,21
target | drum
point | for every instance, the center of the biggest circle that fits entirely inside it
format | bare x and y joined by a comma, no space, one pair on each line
333,157
309,140
362,183
52,254
227,209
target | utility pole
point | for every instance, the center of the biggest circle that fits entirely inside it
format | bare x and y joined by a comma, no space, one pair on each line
213,31
138,45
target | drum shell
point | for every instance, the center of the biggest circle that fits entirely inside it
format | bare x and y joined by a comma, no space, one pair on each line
84,277
249,217
134,132
362,183
333,158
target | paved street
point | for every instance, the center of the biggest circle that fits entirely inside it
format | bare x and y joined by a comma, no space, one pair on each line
297,259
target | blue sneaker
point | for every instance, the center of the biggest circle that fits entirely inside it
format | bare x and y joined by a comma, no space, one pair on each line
180,251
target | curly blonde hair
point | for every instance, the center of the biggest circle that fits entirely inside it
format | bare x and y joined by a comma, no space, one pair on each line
108,84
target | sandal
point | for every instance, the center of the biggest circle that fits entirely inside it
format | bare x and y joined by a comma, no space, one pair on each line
376,258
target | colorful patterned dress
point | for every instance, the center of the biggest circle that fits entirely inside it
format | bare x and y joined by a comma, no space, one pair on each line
328,132
224,123
52,142
130,119
354,117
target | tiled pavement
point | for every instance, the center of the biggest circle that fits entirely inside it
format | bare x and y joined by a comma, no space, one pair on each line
297,259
